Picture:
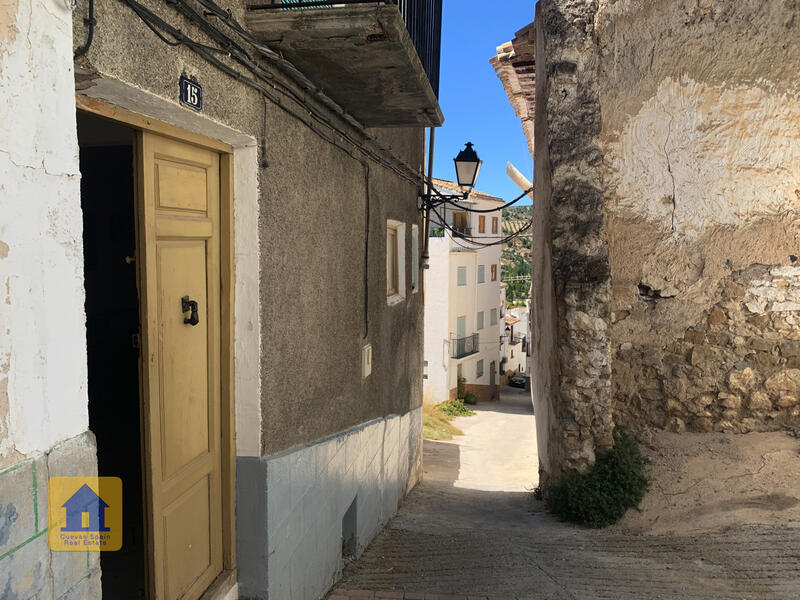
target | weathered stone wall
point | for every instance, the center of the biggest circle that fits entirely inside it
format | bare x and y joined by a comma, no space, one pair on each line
737,368
572,287
700,139
666,230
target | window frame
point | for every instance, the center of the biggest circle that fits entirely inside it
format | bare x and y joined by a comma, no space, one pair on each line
396,289
481,223
415,266
492,317
479,369
494,272
481,274
495,224
480,320
459,270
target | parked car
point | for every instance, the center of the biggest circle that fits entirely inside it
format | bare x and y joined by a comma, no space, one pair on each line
518,380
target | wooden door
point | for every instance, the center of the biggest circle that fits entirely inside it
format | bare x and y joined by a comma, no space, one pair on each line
179,251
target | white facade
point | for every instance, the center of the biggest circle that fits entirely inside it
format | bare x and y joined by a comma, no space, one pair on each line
515,338
463,298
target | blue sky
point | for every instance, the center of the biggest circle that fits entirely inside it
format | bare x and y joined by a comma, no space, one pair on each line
475,106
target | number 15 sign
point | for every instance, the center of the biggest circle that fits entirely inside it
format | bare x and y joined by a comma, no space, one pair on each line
191,93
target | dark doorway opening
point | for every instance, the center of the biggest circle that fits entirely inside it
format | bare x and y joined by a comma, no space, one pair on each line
112,335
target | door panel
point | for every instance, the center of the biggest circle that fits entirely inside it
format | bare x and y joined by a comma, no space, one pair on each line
183,349
179,256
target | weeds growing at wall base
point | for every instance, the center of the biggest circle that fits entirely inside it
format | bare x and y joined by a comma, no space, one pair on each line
602,496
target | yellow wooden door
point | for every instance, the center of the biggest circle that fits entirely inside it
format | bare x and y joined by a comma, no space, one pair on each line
179,237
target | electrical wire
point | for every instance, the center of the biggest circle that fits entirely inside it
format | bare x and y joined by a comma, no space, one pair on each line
273,85
476,244
444,199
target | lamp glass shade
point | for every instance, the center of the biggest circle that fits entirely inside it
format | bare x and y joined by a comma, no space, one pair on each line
467,166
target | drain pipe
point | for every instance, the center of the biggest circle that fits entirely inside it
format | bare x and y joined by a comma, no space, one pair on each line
425,255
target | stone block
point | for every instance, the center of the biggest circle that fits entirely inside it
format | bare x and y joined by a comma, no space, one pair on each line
743,381
789,349
17,513
759,402
74,458
694,336
759,321
717,318
25,573
783,383
87,588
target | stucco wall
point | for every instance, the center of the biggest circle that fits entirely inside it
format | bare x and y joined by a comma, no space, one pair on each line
311,239
701,144
43,392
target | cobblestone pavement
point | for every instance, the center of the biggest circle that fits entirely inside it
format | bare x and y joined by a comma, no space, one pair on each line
457,541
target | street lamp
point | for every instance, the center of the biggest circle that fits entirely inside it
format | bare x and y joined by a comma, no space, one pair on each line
467,166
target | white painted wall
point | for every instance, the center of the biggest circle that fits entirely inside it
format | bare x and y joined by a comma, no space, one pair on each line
445,301
43,390
437,327
311,487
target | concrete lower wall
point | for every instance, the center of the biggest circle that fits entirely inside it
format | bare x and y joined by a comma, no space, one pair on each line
291,505
28,569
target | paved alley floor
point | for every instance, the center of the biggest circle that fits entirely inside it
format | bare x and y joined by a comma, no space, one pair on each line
472,529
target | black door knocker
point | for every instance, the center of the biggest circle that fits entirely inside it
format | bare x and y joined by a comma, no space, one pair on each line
190,305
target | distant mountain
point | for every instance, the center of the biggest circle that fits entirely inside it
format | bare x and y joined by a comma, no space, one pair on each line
516,256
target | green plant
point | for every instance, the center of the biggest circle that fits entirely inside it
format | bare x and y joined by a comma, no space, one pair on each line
455,408
461,387
602,496
470,398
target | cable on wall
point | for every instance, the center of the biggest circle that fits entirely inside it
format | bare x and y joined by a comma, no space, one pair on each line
269,85
91,22
366,249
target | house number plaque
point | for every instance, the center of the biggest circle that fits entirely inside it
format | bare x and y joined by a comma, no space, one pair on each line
191,93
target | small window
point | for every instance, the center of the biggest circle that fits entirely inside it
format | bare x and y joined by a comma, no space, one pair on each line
482,224
425,369
414,258
481,273
479,370
493,317
495,221
462,275
512,354
460,222
391,261
480,321
395,261
494,272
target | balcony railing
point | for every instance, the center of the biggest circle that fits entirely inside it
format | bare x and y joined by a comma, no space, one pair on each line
462,232
423,19
464,346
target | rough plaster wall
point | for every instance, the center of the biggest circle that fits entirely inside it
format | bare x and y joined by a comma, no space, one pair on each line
311,224
42,335
573,367
701,139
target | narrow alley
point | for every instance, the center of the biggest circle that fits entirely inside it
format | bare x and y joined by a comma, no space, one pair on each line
473,529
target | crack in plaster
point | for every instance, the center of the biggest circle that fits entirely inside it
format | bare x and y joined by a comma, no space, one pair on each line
669,164
35,167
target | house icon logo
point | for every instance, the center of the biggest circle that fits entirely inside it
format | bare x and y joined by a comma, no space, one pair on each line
85,502
85,513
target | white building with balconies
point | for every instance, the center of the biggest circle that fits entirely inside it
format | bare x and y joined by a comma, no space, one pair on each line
463,308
